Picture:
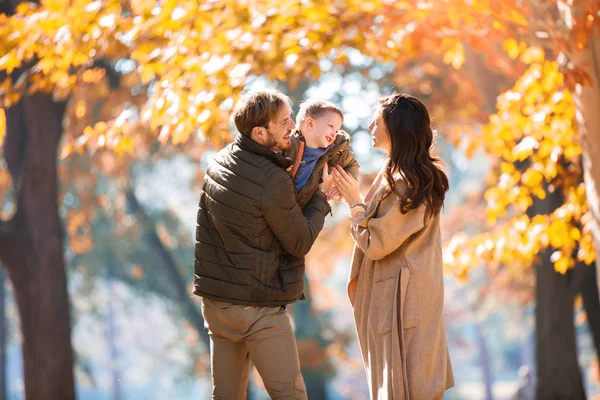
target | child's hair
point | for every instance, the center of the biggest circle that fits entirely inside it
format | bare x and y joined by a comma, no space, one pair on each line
315,108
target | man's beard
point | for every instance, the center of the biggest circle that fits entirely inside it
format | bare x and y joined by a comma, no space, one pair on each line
273,144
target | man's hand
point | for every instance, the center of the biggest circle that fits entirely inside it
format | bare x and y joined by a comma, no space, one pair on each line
327,180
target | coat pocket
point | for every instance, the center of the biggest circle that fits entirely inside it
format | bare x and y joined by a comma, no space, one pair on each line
384,295
409,299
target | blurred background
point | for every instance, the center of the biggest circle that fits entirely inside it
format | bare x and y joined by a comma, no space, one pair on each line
110,111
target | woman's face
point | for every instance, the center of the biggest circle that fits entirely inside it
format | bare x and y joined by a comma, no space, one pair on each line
381,138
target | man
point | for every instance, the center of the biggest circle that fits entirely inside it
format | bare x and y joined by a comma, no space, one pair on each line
251,239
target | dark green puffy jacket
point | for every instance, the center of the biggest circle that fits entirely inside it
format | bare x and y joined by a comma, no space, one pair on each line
251,235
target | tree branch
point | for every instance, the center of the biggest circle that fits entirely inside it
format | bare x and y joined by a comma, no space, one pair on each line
169,265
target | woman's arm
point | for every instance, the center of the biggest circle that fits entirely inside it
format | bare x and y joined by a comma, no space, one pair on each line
378,235
381,235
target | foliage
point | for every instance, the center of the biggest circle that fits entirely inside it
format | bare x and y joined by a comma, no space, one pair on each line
536,131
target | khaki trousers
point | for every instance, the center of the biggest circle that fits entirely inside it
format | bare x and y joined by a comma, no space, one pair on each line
240,333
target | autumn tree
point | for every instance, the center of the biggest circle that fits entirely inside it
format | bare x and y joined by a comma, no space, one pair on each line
31,242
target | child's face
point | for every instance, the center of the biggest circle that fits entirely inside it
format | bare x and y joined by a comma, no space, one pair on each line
320,132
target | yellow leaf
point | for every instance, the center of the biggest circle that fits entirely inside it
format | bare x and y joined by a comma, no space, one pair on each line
539,192
562,265
532,178
511,47
455,56
508,168
46,64
80,108
124,146
9,62
498,26
66,150
524,201
23,8
148,72
532,55
80,59
10,98
93,75
100,127
572,151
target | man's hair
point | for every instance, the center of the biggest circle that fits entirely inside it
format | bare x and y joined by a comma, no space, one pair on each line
315,108
257,109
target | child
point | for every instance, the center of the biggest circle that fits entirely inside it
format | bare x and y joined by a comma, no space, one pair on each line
316,141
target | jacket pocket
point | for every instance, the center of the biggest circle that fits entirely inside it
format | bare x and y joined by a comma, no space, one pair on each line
409,299
384,295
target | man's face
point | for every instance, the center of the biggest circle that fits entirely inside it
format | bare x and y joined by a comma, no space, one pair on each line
320,132
280,129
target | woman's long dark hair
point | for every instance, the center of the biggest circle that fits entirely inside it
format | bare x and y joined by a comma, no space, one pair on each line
409,128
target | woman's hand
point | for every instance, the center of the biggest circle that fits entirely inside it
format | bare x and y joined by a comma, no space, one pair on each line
347,185
334,194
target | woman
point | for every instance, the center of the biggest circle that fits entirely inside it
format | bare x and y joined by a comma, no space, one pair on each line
396,285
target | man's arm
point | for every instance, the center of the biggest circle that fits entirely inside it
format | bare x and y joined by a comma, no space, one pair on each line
295,229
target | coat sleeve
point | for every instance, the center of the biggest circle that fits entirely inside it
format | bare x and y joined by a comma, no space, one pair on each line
382,234
294,228
350,164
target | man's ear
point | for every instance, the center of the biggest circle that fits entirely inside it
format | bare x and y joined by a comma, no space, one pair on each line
258,131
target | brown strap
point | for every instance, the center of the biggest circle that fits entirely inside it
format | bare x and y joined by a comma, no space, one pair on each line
296,166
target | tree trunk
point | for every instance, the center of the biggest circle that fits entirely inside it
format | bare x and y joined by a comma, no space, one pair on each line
588,105
591,304
111,333
484,362
31,248
3,337
559,375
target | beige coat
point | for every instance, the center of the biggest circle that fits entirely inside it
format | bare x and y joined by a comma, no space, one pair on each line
397,291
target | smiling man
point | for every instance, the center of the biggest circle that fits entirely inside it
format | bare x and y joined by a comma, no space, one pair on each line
251,239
